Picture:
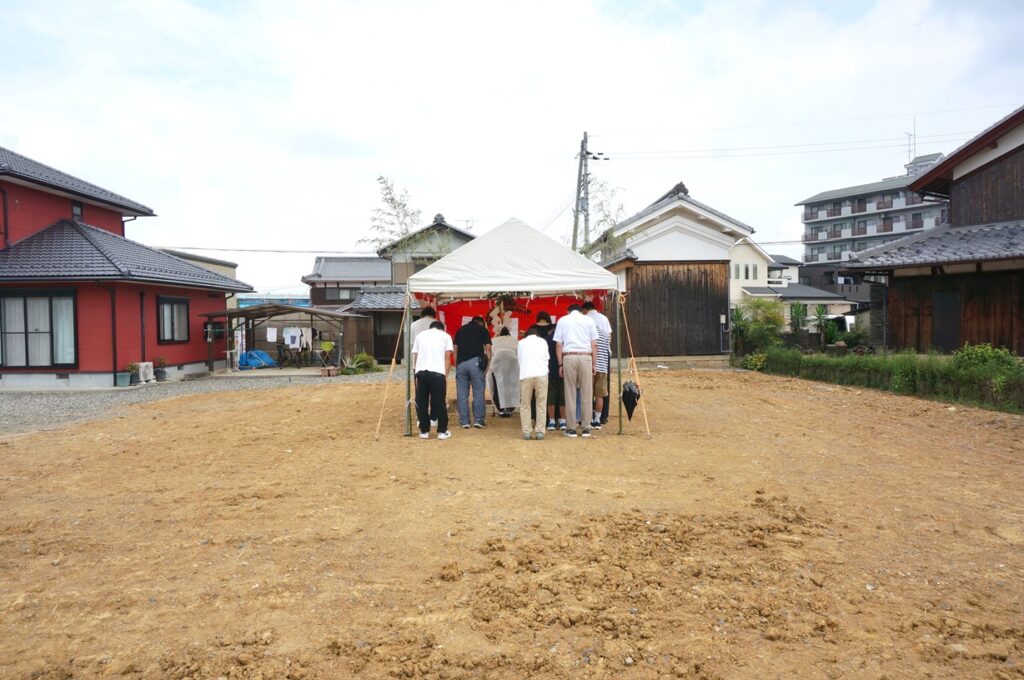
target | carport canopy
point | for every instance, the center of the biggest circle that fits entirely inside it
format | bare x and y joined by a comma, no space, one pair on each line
257,314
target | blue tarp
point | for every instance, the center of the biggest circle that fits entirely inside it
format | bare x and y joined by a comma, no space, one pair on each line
256,358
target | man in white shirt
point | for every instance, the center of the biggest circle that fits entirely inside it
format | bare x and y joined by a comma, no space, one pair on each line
427,317
602,361
431,357
533,381
576,347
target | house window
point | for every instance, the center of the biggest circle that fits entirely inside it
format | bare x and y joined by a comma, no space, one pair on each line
746,271
736,271
76,210
753,270
37,329
338,294
172,319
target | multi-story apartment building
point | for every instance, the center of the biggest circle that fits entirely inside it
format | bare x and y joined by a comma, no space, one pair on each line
840,222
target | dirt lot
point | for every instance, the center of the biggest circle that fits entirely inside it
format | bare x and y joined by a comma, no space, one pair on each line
770,528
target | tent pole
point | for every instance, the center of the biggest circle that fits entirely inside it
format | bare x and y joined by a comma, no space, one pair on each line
618,351
407,323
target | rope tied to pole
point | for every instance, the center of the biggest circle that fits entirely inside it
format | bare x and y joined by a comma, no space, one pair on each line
632,361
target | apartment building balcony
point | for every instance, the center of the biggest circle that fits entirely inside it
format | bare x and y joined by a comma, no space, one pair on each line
915,224
834,233
811,257
883,228
855,208
833,256
913,199
811,236
860,231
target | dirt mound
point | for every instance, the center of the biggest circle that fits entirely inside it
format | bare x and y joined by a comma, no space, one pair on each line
617,591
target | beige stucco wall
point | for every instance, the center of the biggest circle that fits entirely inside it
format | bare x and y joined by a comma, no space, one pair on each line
743,254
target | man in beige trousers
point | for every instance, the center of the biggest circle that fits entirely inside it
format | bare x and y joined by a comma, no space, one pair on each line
533,381
576,347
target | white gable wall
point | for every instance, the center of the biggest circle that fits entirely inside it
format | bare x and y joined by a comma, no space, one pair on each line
678,238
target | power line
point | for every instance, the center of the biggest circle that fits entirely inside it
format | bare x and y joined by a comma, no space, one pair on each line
793,146
754,155
558,212
802,122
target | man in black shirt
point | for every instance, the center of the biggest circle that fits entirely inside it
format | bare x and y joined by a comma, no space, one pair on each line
472,343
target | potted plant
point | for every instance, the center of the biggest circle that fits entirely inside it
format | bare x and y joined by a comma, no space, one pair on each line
122,378
160,369
132,369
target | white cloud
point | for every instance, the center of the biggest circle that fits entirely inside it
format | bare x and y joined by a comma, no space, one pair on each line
265,125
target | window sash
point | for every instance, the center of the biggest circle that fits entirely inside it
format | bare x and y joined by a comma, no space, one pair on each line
37,330
172,319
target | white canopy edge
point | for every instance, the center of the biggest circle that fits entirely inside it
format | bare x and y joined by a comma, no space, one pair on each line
511,258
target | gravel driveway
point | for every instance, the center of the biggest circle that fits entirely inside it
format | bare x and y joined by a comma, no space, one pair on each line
27,411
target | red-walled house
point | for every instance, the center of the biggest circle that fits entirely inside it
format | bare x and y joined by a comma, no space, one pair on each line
79,301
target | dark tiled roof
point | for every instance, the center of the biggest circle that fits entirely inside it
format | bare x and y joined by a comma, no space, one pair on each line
349,269
380,299
946,245
15,165
784,260
679,193
794,291
71,250
438,223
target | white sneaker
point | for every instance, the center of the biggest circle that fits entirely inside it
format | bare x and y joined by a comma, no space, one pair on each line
424,435
433,423
444,435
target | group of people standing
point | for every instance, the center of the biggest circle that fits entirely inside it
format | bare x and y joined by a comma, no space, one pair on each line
562,370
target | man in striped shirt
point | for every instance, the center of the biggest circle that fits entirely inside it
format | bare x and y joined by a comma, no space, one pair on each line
601,361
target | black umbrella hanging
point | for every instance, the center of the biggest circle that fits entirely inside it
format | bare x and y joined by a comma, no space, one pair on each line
630,397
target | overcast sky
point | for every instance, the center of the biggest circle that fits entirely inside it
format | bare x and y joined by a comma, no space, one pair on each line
263,125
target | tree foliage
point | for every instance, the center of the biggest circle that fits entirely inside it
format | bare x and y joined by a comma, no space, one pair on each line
765,319
606,211
395,218
797,316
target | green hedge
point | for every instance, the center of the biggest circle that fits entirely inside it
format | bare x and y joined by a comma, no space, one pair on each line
984,377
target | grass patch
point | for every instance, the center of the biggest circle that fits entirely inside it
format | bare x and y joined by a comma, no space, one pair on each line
978,375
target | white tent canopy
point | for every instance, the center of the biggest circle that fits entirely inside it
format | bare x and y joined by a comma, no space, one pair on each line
511,258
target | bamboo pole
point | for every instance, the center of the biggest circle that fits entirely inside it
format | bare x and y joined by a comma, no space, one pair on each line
391,370
632,363
618,351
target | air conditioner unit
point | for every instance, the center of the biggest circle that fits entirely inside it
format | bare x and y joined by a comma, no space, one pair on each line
146,371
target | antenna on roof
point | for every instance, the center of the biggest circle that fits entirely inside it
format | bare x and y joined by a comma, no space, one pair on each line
912,142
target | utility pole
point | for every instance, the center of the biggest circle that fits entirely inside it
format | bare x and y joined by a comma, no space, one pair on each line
580,205
583,194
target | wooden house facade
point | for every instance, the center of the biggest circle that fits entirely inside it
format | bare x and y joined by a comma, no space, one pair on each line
962,282
672,259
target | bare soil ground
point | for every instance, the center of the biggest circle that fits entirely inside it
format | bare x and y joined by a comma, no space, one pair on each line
771,528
